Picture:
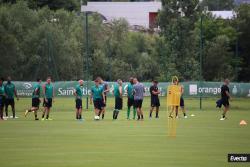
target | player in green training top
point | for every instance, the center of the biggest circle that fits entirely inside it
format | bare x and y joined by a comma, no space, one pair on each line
106,89
35,99
2,96
130,99
97,96
48,91
78,93
118,98
10,91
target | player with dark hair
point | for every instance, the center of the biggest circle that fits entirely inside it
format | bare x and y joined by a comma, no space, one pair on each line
2,96
10,91
225,96
97,97
182,103
130,99
155,102
48,91
106,89
35,99
78,93
139,91
118,98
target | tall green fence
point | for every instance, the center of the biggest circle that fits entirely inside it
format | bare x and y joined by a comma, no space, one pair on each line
191,89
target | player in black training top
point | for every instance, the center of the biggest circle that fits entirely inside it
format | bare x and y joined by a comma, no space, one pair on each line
225,96
155,102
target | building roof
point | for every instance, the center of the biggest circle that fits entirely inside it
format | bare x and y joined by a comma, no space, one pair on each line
238,2
223,14
136,13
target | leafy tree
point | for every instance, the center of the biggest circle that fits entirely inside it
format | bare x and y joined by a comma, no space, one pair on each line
177,20
217,56
219,41
38,41
242,25
70,5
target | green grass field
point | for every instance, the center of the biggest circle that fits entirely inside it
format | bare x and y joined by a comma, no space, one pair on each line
202,140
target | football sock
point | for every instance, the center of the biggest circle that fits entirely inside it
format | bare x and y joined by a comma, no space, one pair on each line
6,111
141,116
157,114
134,113
47,117
102,116
114,114
1,114
184,114
117,113
14,113
128,112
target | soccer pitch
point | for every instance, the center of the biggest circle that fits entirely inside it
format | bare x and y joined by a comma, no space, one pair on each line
202,140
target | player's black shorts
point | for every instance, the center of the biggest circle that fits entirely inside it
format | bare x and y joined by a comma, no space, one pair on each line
98,104
35,102
130,102
118,103
138,103
47,104
9,102
155,102
182,104
225,102
78,103
104,104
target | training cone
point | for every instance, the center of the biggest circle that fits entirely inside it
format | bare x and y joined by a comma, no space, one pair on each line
243,122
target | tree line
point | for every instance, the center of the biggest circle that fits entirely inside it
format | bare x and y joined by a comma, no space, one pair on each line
40,39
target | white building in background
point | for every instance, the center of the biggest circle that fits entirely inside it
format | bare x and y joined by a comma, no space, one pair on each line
136,13
223,14
142,14
238,2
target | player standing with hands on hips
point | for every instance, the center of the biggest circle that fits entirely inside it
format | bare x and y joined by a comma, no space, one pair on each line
138,89
10,91
78,93
155,102
97,96
48,91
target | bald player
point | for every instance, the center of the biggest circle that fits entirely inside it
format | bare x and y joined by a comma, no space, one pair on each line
225,97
